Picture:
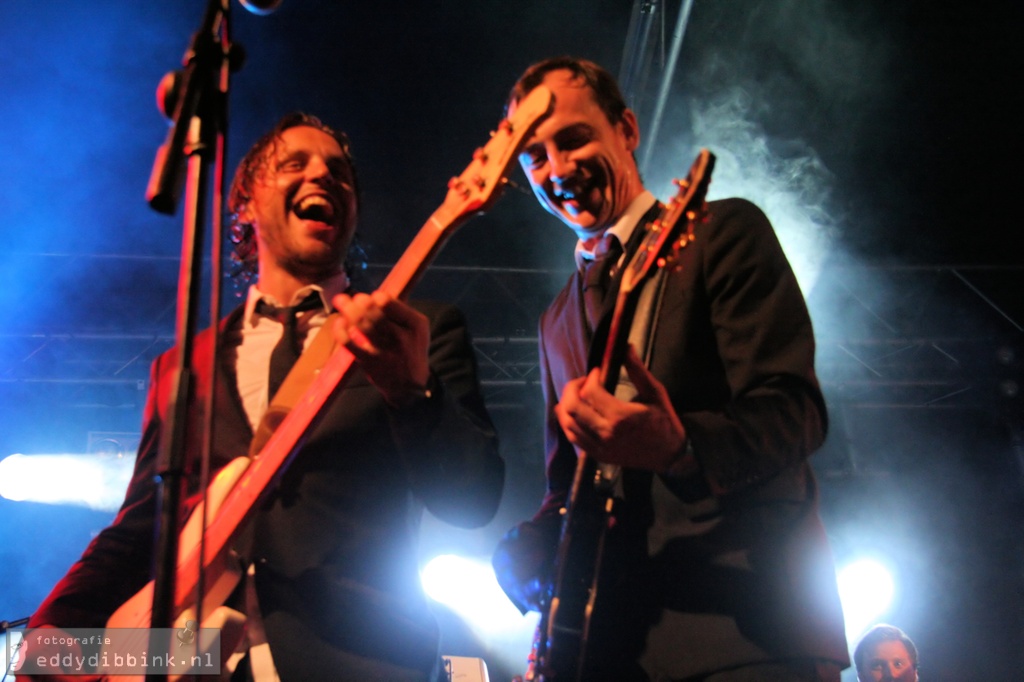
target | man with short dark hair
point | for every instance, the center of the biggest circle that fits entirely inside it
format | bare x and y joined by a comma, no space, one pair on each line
716,566
886,654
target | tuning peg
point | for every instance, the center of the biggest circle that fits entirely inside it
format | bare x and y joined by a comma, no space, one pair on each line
457,185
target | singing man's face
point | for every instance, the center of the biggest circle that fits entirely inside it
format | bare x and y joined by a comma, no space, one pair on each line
303,204
579,164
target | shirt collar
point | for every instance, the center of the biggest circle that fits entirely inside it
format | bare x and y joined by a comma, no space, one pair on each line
327,289
623,227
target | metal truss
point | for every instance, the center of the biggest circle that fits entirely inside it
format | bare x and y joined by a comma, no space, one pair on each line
925,337
894,344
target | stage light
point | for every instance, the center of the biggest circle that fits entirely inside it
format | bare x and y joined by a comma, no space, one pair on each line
866,588
94,481
469,588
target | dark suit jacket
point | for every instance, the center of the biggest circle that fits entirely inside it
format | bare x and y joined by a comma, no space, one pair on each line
335,547
753,581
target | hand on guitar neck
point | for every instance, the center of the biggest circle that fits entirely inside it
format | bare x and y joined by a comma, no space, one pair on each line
390,340
644,433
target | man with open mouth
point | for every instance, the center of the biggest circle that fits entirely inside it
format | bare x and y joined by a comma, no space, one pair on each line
332,588
705,556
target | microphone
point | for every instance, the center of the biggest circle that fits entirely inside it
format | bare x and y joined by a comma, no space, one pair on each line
261,7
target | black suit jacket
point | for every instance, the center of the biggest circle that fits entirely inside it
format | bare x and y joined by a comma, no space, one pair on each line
754,581
334,548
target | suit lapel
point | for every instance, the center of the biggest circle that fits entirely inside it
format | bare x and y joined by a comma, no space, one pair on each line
576,333
228,406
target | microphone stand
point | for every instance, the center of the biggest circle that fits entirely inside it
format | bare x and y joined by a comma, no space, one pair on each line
199,129
6,625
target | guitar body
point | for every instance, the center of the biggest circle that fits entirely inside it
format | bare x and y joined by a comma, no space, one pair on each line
565,625
223,574
574,610
136,612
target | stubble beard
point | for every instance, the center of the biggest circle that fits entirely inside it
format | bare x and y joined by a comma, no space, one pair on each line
315,263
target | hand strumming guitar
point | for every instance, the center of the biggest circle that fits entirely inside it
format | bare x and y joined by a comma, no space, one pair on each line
644,433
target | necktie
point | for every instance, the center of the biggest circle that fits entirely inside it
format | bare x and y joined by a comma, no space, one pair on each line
597,277
287,350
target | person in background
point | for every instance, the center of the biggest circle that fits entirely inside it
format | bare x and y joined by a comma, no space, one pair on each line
886,654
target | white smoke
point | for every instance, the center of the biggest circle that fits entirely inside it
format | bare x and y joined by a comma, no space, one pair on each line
761,85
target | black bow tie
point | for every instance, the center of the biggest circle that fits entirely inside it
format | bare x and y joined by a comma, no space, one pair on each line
284,313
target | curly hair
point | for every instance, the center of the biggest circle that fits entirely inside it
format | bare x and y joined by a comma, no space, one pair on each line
252,165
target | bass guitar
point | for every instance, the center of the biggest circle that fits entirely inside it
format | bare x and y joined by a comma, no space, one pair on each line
245,483
560,646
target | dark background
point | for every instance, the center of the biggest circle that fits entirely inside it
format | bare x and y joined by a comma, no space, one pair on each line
880,137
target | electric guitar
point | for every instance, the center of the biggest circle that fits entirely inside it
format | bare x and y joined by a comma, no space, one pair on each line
241,486
562,637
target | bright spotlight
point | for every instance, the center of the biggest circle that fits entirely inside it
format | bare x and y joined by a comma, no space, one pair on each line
442,577
94,481
469,588
466,586
866,589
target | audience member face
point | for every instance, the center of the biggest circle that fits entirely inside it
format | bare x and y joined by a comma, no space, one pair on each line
303,205
888,661
581,166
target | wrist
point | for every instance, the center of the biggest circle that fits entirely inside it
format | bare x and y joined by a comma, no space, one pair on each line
412,394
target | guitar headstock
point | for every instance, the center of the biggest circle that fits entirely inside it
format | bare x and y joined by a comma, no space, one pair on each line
668,234
481,183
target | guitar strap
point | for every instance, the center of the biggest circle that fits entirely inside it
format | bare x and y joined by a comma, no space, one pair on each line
295,384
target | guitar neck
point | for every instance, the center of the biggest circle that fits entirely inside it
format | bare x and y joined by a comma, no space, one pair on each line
618,338
406,273
663,237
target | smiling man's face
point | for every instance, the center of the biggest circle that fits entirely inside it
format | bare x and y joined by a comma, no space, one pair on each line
579,164
303,205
